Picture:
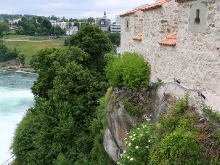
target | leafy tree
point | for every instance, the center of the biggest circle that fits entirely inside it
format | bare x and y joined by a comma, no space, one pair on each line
45,64
114,37
21,58
7,54
20,30
4,27
58,126
93,41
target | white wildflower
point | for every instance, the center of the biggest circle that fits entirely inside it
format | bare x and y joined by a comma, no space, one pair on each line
132,159
147,146
133,139
136,147
134,135
130,136
129,144
149,141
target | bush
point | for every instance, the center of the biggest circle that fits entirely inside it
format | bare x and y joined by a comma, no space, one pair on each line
138,145
131,70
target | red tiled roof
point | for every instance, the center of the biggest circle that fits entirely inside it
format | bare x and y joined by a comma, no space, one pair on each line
157,4
169,40
133,10
179,1
218,47
138,37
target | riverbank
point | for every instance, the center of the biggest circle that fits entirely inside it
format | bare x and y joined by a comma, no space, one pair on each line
13,65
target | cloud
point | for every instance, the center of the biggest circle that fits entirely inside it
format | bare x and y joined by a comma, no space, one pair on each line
71,8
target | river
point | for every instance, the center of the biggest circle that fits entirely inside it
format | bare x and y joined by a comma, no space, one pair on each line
15,99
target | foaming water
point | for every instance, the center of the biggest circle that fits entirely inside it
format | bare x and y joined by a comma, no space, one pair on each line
15,99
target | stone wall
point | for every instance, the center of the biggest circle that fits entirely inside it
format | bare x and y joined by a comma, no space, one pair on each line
195,60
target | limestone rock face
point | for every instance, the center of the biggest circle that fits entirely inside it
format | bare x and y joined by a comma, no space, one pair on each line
119,123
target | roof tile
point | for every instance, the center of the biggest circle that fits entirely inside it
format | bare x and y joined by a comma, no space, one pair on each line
138,37
179,1
134,10
169,40
157,4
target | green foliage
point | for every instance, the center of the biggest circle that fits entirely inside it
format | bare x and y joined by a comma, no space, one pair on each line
216,138
98,154
114,37
107,95
214,116
93,41
4,27
3,65
133,110
138,144
130,70
174,141
62,127
49,61
37,26
21,58
6,54
180,147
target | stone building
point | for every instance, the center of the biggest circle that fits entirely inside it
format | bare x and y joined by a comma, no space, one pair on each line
181,40
103,22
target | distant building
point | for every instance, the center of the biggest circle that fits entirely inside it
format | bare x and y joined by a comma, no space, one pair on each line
72,30
69,26
103,22
11,22
116,26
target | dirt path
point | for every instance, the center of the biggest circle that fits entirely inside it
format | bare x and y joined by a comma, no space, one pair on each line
12,40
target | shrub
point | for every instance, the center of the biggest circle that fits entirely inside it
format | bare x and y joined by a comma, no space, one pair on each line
138,145
131,70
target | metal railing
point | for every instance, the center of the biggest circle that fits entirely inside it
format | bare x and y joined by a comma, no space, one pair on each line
9,161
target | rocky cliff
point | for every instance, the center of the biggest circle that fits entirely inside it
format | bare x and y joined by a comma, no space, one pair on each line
126,107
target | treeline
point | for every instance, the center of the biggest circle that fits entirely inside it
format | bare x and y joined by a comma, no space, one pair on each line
6,54
14,16
38,26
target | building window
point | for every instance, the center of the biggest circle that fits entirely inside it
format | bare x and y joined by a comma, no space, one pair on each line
197,17
127,24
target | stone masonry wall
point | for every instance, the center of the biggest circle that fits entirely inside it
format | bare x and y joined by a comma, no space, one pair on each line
194,60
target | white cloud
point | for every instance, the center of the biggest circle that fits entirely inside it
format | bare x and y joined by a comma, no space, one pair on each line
71,8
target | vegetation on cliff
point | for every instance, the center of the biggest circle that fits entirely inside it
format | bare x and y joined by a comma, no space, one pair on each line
178,137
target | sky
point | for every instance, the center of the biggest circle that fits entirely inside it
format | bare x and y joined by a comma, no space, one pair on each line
71,8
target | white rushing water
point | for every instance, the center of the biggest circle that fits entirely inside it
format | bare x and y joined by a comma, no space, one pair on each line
15,99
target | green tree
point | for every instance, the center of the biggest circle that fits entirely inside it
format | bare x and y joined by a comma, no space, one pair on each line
4,27
21,58
93,41
7,54
114,37
58,126
20,30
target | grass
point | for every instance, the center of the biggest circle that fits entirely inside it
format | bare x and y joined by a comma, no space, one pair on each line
28,47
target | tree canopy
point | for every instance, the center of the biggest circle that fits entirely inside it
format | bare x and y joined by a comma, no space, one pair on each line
93,41
60,127
4,27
